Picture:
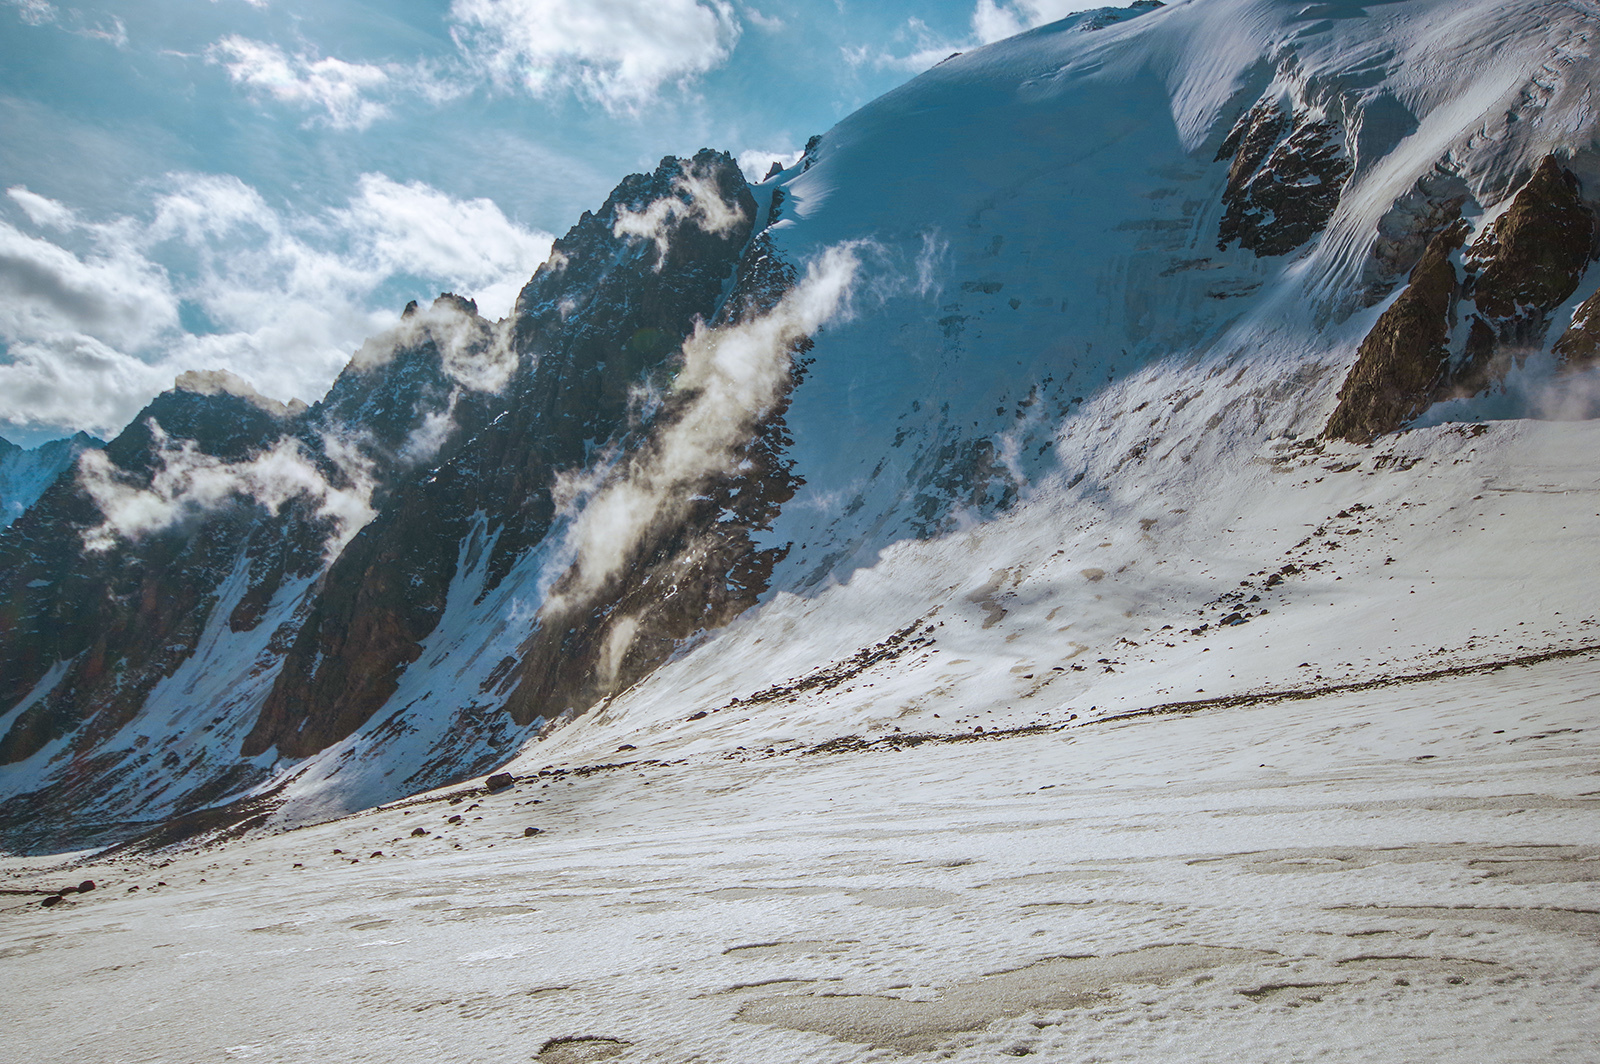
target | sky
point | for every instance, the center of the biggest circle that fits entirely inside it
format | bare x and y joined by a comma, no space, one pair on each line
258,185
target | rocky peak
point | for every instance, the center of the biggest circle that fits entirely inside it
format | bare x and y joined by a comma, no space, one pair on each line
604,316
1531,259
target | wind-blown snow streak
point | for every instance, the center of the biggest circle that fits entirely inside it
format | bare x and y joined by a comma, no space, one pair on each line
730,376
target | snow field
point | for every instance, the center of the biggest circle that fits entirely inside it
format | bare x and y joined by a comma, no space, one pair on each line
1398,874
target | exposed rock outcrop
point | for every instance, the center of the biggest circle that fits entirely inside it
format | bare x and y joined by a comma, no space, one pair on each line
1524,265
1284,182
604,317
1405,357
1579,345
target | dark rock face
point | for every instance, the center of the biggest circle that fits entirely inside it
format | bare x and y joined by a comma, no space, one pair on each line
1405,357
1580,344
1284,182
1524,266
1532,258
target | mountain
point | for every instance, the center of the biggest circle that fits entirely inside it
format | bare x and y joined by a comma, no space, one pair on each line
1154,357
25,473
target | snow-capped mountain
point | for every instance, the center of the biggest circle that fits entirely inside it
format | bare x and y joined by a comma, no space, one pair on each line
25,472
1150,357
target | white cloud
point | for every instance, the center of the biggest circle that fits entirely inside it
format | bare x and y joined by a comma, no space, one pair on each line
113,295
755,162
42,13
470,244
35,12
619,52
342,90
92,319
760,20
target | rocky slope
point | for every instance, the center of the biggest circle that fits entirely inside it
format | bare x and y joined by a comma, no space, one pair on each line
1039,361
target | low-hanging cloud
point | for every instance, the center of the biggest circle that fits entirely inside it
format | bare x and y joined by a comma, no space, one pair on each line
1537,386
731,376
475,353
188,483
695,198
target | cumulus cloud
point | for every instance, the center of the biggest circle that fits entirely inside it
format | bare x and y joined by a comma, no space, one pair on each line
338,89
618,52
696,199
97,316
730,377
469,244
111,293
187,483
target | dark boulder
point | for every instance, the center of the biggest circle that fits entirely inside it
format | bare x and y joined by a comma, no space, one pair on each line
499,781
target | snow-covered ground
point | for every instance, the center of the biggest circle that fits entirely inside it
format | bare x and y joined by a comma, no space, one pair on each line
1396,874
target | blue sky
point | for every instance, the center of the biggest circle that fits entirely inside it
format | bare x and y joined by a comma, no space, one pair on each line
257,185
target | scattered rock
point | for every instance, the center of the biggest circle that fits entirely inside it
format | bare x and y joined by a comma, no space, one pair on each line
499,781
54,899
529,833
417,833
626,746
86,886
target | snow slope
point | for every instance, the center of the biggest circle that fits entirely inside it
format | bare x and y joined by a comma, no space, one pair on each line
1399,874
1044,216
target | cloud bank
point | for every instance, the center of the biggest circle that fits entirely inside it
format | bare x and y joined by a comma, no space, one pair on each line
97,316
